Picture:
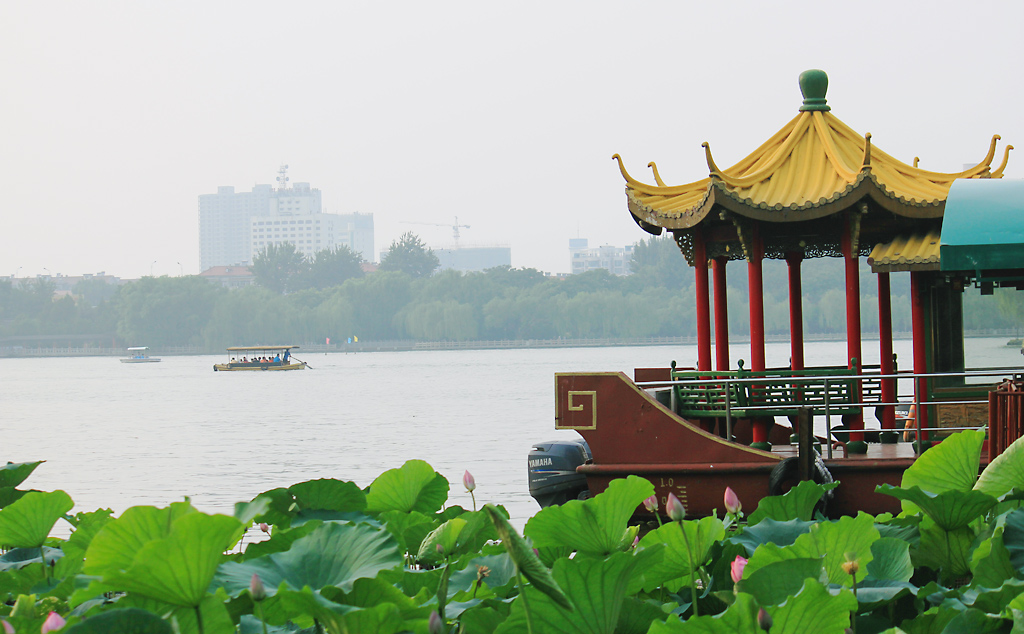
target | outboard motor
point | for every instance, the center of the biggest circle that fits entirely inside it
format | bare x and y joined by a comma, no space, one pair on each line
553,477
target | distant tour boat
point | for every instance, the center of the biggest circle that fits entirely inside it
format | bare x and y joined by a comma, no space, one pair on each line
139,355
260,358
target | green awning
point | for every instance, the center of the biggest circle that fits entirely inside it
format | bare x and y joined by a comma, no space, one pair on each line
983,226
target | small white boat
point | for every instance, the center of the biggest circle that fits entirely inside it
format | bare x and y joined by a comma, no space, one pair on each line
139,355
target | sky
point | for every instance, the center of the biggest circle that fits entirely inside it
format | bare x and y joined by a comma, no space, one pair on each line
116,116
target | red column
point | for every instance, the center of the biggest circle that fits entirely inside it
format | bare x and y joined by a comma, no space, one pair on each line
700,273
853,347
920,355
721,314
796,312
756,301
885,350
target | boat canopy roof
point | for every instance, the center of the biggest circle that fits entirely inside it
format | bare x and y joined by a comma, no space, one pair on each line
983,229
137,348
254,348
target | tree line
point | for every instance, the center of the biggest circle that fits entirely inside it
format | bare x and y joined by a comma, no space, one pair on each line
301,300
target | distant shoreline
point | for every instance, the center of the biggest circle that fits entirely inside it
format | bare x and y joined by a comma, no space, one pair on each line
505,344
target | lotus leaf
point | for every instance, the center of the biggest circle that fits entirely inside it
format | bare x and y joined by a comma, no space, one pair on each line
441,542
797,503
331,555
948,551
770,531
598,524
1013,538
595,589
741,616
990,562
27,522
834,540
952,465
951,509
1005,473
12,474
113,549
329,495
415,486
814,609
891,560
126,621
525,559
681,540
774,583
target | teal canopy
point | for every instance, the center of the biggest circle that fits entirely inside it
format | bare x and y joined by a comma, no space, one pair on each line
983,226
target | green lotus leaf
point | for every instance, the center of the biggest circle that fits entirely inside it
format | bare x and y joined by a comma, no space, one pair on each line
948,551
178,568
113,549
814,609
832,541
247,512
1013,538
891,560
770,531
415,486
9,495
500,571
797,503
951,509
408,529
741,616
12,474
972,621
990,562
952,465
636,616
125,621
281,507
686,548
331,555
446,536
336,619
595,526
525,559
478,531
87,525
1005,473
774,583
212,610
280,541
595,589
993,600
367,593
27,522
329,495
21,557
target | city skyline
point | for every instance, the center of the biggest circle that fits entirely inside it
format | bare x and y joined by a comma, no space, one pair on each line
506,117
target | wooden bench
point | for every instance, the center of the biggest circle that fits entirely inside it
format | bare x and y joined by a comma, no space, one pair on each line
707,394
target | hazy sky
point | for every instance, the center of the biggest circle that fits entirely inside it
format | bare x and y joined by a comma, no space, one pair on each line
116,116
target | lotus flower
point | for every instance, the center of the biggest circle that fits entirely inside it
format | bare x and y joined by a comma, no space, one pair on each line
52,623
651,503
434,624
264,527
468,481
732,501
764,620
256,588
675,509
736,568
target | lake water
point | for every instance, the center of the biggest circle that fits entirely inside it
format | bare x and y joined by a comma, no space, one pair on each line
117,435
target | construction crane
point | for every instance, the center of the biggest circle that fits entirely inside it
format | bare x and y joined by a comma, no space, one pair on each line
455,227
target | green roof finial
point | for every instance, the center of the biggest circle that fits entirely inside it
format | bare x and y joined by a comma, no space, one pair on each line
813,85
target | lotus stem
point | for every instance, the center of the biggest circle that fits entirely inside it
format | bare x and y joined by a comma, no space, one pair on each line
693,569
199,619
526,604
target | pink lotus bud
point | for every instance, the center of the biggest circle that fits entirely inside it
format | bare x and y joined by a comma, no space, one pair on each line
651,503
736,568
675,509
732,501
52,623
636,540
434,624
264,527
440,549
468,481
764,620
256,588
8,628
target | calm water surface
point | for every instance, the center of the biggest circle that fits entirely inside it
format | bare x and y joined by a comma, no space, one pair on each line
117,435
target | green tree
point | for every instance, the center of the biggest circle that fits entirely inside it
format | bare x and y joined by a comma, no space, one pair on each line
281,269
166,311
409,255
657,261
331,267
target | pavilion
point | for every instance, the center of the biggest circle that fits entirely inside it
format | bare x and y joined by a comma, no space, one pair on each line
817,188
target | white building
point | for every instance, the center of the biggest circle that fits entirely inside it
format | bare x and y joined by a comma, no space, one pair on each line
583,258
234,227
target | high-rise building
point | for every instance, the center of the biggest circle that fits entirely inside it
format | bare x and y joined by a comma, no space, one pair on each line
583,258
235,226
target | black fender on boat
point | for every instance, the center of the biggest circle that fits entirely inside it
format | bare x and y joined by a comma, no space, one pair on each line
787,472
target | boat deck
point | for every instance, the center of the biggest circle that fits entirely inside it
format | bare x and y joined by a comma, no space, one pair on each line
876,451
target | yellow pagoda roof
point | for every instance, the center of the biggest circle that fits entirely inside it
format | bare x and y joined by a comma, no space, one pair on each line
814,166
918,252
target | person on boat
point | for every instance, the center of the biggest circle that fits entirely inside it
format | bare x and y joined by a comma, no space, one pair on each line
284,359
277,358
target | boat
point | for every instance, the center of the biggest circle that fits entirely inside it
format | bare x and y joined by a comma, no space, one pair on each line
139,354
814,189
260,359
